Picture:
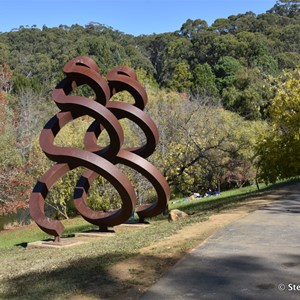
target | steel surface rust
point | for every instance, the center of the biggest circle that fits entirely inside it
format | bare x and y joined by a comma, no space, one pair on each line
99,160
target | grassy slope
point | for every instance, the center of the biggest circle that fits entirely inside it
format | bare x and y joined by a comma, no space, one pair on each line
57,273
227,198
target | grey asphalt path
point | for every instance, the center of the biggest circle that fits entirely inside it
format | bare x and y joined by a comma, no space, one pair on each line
255,257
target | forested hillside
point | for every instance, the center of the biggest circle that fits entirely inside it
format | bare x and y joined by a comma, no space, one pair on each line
225,98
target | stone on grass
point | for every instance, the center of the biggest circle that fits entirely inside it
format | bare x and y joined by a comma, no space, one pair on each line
176,215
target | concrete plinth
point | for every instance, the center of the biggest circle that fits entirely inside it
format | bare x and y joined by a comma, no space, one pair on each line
51,244
134,225
95,233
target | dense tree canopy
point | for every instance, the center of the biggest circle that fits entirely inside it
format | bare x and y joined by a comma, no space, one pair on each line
218,94
263,44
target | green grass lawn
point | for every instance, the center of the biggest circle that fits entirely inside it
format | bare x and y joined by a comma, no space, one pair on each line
20,236
227,198
84,269
26,234
59,273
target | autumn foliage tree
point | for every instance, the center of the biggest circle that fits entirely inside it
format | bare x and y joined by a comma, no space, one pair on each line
5,78
14,182
278,151
202,145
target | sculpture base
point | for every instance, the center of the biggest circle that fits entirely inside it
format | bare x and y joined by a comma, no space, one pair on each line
135,224
95,233
64,243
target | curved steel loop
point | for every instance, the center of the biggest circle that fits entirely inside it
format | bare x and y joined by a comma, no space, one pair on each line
80,107
81,61
65,154
122,70
75,158
83,70
98,160
124,79
124,110
140,165
135,114
38,196
100,167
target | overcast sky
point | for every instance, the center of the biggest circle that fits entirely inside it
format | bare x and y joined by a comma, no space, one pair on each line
129,16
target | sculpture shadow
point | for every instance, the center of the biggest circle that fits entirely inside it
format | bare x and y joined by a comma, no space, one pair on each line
233,277
84,277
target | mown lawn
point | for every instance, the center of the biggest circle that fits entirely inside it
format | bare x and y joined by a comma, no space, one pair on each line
83,269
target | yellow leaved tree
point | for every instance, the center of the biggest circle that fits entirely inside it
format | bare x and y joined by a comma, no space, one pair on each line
279,149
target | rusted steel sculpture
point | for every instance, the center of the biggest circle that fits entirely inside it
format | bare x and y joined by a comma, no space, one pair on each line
99,160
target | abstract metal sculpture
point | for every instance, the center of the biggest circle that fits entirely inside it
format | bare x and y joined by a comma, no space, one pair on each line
99,160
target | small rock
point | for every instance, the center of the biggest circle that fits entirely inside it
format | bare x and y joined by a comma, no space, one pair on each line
176,215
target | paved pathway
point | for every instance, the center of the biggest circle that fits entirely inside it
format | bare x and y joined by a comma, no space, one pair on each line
256,257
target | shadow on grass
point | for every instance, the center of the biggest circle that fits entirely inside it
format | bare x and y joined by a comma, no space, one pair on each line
89,276
85,276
